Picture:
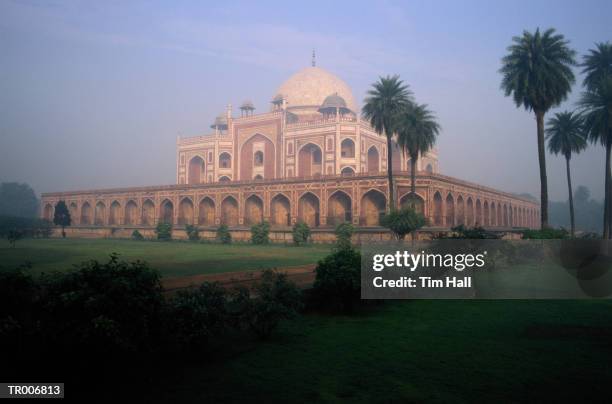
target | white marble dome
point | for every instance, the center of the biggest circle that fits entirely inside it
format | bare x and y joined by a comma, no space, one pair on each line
311,86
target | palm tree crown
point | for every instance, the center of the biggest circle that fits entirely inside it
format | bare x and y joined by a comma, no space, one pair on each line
596,104
537,70
565,134
388,96
597,64
417,130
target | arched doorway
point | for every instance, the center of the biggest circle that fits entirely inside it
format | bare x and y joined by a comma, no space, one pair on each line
148,213
478,220
437,210
257,157
347,149
73,212
48,212
100,214
206,212
229,211
166,212
493,214
224,178
414,201
500,221
339,209
114,218
310,161
131,213
197,171
347,172
86,214
373,206
185,212
487,218
225,160
373,160
308,209
450,211
253,210
460,210
280,211
470,212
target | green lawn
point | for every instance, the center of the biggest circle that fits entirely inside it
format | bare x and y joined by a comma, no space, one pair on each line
170,258
412,351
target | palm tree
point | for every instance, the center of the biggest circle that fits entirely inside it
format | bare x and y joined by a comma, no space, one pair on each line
597,66
387,97
596,106
417,130
565,136
537,73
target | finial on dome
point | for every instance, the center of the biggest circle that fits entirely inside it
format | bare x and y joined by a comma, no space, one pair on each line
314,62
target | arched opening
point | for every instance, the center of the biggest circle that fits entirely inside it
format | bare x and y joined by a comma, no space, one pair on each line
493,214
280,211
224,178
438,220
206,212
185,212
258,177
512,213
225,160
347,149
339,209
470,212
48,212
347,172
478,219
505,217
308,209
72,208
487,218
166,212
114,218
258,158
253,210
429,168
450,211
460,211
131,212
310,161
413,201
148,213
499,215
229,211
373,206
100,214
86,214
197,170
373,160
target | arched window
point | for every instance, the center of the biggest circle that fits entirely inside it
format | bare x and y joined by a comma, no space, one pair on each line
347,172
224,178
258,177
429,168
225,160
347,148
258,158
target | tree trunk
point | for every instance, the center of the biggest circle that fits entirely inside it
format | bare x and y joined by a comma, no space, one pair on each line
606,229
543,178
571,196
413,162
390,174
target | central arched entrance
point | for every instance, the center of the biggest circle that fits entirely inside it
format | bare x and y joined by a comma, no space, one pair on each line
197,170
310,161
308,209
373,206
339,208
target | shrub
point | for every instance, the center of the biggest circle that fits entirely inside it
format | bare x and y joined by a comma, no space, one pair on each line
338,279
403,222
344,233
301,233
223,234
260,233
475,233
197,315
272,299
136,235
546,234
192,232
103,308
164,231
13,236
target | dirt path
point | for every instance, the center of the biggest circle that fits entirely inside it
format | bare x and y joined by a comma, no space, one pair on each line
302,275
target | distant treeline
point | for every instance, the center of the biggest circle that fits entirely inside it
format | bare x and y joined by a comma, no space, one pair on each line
589,212
18,200
26,226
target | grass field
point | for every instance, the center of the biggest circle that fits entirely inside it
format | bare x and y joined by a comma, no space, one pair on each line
412,351
170,258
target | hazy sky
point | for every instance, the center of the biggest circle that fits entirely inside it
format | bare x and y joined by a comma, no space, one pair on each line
93,94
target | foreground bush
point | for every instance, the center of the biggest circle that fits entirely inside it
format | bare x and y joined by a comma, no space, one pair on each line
223,235
546,234
193,233
164,231
344,234
260,233
272,299
301,233
136,235
475,233
338,279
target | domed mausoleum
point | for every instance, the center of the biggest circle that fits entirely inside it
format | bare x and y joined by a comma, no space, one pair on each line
311,158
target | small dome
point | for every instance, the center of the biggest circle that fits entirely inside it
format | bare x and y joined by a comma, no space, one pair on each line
220,122
332,102
248,105
278,98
